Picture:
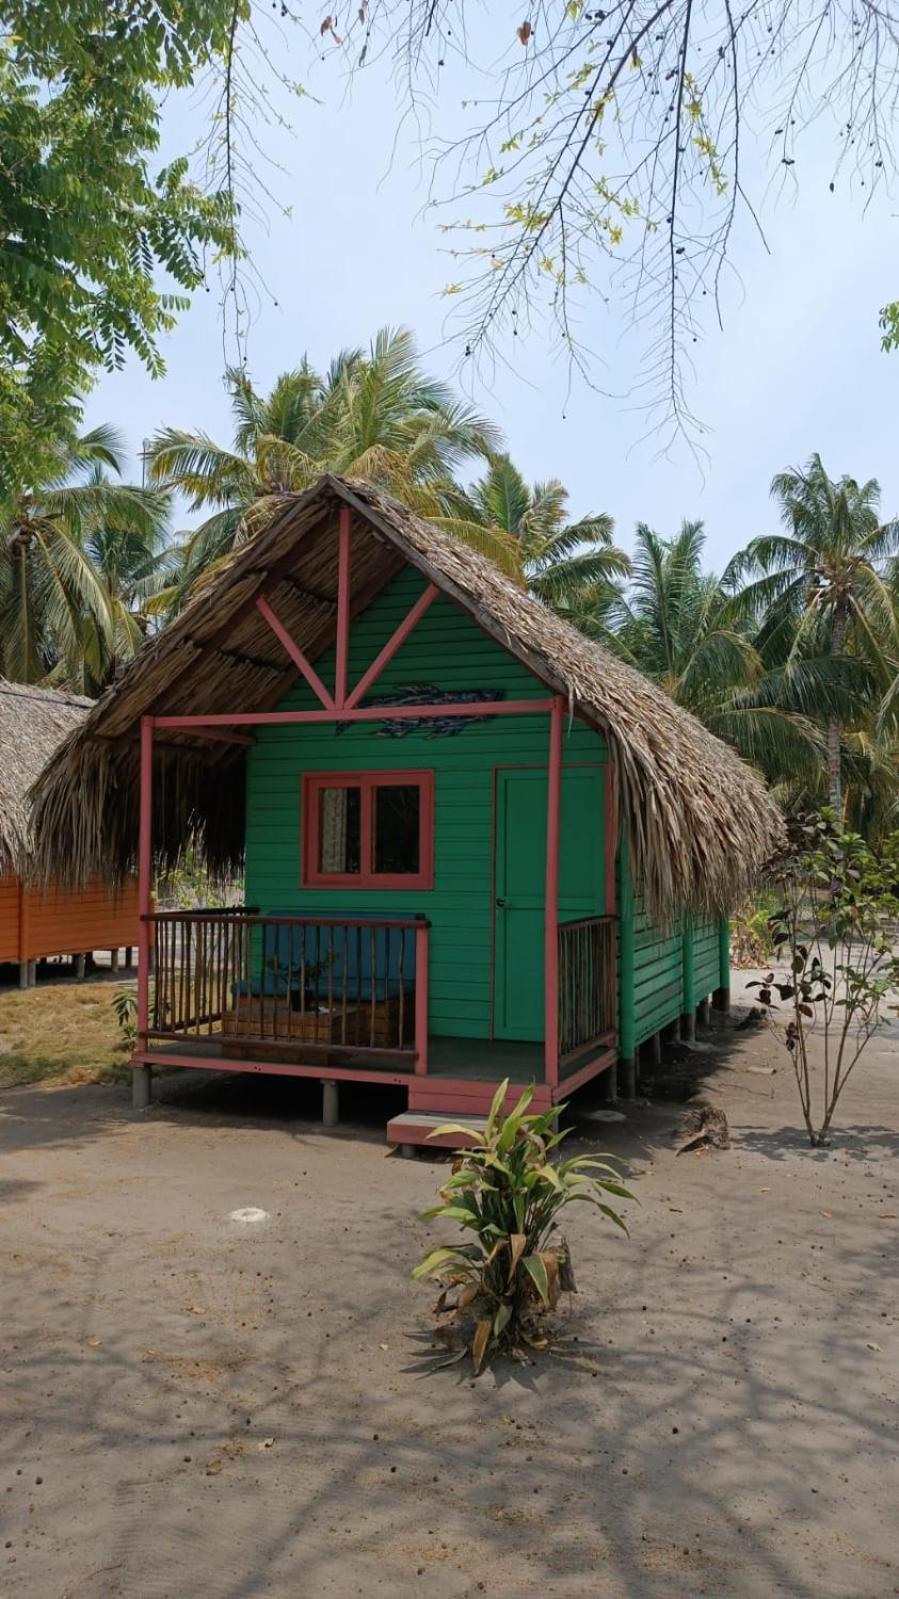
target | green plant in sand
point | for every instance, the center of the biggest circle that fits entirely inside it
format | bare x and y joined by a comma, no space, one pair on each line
498,1288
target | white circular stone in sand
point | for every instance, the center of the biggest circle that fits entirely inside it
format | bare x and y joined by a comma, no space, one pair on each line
248,1213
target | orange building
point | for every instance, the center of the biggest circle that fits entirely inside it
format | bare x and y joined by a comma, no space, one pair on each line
38,922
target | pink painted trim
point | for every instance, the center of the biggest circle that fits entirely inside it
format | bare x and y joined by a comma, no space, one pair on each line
551,912
145,874
367,781
295,653
421,1001
599,1063
364,713
274,1068
399,637
343,606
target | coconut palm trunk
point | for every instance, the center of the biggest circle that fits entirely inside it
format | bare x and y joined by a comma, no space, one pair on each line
834,730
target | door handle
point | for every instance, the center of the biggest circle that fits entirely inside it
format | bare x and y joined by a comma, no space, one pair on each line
501,903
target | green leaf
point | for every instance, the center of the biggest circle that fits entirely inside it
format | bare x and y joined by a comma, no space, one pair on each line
437,1257
535,1268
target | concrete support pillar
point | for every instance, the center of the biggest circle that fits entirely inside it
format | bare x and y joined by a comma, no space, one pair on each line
32,974
688,1026
113,960
80,967
655,1049
610,1080
330,1104
129,957
24,974
407,1151
704,1012
141,1087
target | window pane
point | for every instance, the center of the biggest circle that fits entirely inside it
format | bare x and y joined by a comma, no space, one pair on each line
397,828
339,829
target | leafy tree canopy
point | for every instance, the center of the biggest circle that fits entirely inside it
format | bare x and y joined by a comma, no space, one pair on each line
98,251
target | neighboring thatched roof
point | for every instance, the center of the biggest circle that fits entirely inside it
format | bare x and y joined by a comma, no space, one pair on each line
700,822
33,724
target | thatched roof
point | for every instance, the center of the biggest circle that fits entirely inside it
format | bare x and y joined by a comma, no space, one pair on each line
700,822
33,724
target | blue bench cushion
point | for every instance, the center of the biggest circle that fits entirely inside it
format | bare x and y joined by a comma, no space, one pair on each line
371,958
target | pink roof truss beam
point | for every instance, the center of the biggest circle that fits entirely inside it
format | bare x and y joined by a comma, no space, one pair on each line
295,653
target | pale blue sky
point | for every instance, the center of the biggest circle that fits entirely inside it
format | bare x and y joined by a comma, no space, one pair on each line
797,368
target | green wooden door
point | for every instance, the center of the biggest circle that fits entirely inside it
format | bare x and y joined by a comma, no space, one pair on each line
520,883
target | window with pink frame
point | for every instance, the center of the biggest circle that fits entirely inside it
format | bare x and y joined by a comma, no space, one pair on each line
368,830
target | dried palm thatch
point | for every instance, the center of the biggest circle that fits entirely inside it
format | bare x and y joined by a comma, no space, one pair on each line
700,823
33,724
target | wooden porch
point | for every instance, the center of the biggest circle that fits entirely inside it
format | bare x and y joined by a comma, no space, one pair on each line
346,999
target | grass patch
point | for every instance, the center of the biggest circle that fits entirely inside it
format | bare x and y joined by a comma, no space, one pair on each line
66,1030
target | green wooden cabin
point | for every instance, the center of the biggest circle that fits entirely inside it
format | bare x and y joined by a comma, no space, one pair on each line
473,844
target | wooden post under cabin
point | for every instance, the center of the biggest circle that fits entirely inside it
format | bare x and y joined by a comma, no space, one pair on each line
721,999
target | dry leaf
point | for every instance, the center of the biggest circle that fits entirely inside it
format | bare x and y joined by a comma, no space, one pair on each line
326,26
213,1467
196,1310
887,1215
524,32
383,1346
827,1214
266,1443
676,1210
875,1347
95,1343
149,1354
480,1342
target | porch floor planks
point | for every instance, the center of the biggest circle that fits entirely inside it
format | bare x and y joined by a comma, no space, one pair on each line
475,1060
485,1060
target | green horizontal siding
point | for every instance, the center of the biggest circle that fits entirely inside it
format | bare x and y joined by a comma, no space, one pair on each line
658,974
706,957
447,650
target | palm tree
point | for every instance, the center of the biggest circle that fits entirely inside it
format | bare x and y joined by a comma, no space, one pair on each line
57,620
692,633
372,414
129,556
823,582
565,564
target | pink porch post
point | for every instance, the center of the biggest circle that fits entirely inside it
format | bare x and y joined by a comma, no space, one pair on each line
551,914
140,1083
421,1000
343,606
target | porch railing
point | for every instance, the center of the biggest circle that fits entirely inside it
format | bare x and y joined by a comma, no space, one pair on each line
588,984
325,985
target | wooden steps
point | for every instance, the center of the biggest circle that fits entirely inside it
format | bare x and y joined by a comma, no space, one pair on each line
413,1127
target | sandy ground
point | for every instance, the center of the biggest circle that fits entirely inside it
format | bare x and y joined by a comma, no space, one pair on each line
195,1406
